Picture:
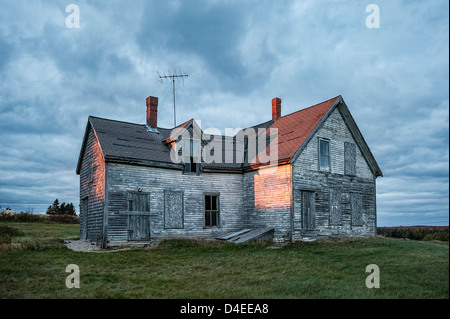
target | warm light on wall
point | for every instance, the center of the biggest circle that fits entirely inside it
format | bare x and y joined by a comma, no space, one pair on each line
273,188
98,190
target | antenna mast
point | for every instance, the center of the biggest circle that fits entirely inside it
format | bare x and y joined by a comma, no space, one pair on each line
173,76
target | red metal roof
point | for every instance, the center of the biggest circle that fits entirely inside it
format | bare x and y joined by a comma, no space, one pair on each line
294,128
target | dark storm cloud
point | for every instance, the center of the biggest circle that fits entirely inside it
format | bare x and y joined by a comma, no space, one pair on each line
239,55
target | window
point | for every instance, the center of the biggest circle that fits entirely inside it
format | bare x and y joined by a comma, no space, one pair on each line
138,202
350,159
173,209
211,210
356,209
324,155
335,207
191,155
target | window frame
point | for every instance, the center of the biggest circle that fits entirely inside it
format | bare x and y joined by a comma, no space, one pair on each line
191,160
322,169
356,209
216,211
168,193
335,212
350,159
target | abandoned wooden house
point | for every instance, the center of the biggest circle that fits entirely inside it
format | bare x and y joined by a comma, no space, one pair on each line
137,185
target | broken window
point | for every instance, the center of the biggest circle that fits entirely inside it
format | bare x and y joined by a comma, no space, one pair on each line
138,202
211,210
324,155
191,156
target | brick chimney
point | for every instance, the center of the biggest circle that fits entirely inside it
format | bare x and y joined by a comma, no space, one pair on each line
152,111
276,108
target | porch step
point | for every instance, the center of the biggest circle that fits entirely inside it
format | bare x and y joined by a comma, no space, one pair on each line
246,235
234,234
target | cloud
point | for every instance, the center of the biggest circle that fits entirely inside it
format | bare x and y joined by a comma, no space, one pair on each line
238,57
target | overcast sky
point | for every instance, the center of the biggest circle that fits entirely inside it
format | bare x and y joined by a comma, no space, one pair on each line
238,55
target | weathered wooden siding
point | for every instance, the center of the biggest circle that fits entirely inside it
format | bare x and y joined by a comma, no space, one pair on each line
92,190
337,194
267,200
167,187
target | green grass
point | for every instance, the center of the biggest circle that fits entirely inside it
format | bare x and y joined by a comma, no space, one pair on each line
35,268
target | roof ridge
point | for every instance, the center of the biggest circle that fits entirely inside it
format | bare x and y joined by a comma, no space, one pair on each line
309,107
111,120
266,122
139,124
192,119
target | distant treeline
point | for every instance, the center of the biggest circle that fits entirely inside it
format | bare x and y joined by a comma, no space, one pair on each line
38,218
415,232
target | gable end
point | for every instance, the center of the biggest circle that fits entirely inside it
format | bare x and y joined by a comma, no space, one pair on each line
354,130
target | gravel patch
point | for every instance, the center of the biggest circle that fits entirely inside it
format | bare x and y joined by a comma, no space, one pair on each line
86,246
83,246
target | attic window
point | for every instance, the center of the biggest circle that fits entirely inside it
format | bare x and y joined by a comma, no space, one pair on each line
324,155
191,155
350,159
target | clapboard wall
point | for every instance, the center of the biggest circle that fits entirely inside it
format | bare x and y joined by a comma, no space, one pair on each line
337,194
159,183
267,200
92,190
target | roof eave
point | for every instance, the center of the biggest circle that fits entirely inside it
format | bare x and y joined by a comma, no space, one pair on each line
83,146
142,162
360,141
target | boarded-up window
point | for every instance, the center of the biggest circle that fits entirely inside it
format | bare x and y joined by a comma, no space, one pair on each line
173,209
335,207
138,202
350,158
308,210
356,209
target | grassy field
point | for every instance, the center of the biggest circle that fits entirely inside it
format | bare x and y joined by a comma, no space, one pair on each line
33,265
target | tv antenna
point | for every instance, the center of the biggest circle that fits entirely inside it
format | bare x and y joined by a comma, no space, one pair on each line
173,76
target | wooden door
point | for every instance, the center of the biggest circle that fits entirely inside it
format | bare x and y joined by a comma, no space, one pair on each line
308,210
138,227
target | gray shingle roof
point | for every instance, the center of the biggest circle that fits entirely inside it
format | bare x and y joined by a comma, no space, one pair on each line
133,141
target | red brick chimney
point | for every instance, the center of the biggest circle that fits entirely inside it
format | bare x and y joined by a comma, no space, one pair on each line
276,108
152,111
